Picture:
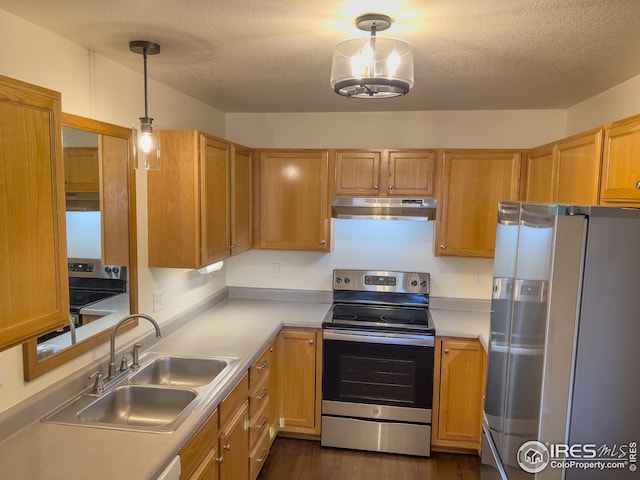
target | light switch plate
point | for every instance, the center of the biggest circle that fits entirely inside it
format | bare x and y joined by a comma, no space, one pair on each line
158,300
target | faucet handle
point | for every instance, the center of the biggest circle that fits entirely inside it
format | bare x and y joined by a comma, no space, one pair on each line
98,386
124,365
135,356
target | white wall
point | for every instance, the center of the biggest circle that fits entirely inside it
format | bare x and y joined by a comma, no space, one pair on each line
437,129
614,104
95,87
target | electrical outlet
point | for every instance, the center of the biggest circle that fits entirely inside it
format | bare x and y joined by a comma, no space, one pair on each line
158,300
275,270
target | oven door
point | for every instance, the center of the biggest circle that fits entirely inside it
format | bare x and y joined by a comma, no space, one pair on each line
377,375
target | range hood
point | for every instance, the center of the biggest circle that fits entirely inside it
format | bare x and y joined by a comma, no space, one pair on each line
384,208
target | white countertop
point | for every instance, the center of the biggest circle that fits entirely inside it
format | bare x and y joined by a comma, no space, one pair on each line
235,327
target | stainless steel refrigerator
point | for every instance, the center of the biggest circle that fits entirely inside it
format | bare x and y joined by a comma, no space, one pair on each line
563,385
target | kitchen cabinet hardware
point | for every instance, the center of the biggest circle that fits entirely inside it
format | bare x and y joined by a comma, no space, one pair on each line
311,342
376,187
638,184
323,242
219,459
390,187
227,447
264,393
264,422
264,455
446,351
262,365
442,246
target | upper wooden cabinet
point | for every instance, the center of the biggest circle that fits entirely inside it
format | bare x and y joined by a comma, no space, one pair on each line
34,296
81,169
471,182
241,198
189,201
566,172
292,200
385,173
621,163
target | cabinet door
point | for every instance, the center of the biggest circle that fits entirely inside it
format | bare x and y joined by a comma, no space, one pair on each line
234,447
299,371
578,163
215,226
208,469
81,169
620,165
173,203
34,290
461,378
294,200
471,184
241,240
411,173
357,173
114,200
538,174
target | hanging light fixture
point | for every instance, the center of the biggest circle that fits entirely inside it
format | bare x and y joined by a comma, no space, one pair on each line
372,67
147,136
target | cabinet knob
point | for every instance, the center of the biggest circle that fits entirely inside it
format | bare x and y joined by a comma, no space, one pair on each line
376,187
638,184
442,247
219,459
446,350
390,187
323,242
311,342
227,447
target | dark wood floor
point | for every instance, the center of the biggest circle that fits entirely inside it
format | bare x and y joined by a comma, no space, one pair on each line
292,459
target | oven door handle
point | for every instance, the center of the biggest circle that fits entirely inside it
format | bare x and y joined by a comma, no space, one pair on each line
377,337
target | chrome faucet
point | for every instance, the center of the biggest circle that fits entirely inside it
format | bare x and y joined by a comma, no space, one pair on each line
112,355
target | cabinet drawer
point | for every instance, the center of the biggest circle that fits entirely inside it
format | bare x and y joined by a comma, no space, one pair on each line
259,397
260,368
260,423
201,444
233,401
258,456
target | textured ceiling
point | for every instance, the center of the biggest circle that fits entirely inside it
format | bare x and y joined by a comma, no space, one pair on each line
275,55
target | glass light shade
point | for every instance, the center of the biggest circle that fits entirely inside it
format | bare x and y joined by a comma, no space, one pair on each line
146,145
372,67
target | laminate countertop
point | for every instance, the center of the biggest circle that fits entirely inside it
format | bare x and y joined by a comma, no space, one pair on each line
235,327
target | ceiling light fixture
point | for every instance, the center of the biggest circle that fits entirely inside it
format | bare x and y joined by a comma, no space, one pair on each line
372,67
147,136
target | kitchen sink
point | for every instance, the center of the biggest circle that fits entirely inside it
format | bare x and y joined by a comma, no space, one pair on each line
136,405
155,398
180,371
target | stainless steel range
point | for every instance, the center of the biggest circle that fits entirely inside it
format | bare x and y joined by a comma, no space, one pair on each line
89,282
378,353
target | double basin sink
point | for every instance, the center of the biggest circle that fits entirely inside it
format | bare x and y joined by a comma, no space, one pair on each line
157,397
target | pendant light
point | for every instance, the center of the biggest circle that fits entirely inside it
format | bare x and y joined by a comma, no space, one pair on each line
147,136
372,67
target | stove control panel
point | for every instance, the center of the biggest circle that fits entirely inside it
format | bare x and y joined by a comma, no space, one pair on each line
381,281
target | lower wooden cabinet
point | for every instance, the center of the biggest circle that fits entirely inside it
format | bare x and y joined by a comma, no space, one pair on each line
299,379
459,382
234,446
198,459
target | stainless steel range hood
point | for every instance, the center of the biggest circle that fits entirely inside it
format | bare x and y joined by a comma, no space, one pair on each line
384,208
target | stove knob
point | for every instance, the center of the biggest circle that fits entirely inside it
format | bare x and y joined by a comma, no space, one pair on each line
347,280
423,283
414,283
339,280
115,270
107,269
